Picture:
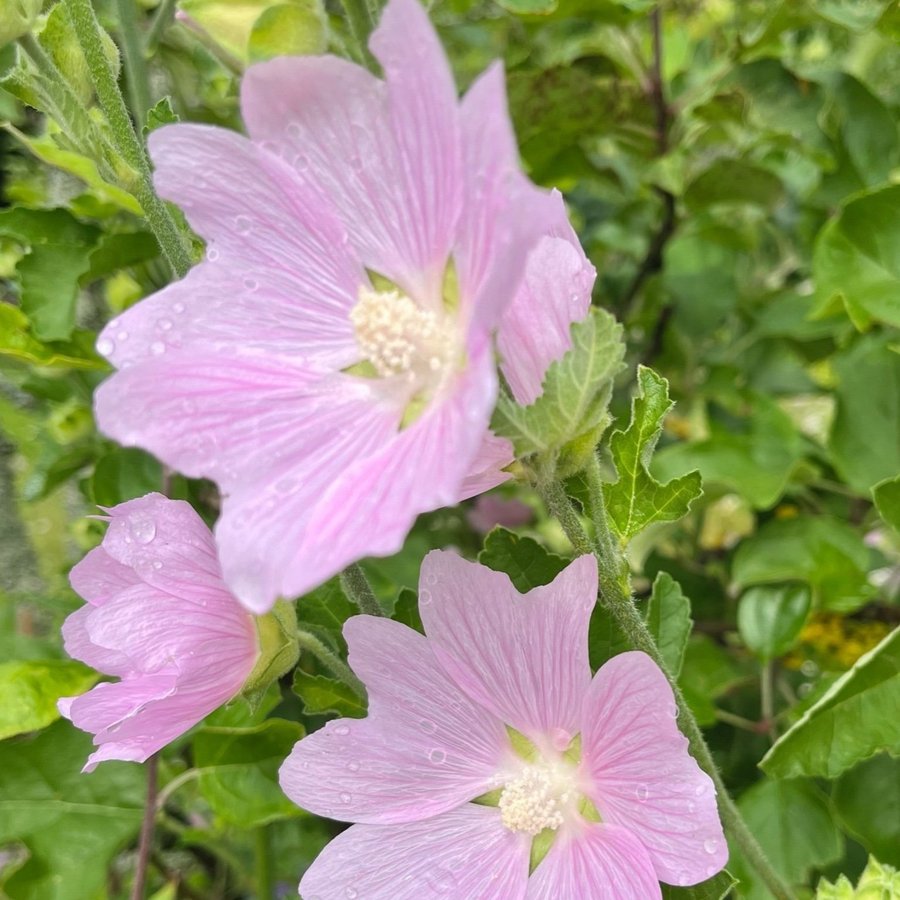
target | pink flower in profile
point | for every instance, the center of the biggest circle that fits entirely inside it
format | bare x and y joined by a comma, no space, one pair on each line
497,705
331,363
159,617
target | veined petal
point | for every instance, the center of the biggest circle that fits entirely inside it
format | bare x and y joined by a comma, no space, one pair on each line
523,657
642,776
423,749
463,853
98,577
486,471
603,862
386,154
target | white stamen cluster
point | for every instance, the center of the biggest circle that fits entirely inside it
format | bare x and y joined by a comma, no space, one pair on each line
535,800
395,334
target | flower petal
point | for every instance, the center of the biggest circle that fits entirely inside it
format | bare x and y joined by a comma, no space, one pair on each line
535,329
642,775
464,853
604,862
78,644
386,154
424,748
98,577
487,469
525,658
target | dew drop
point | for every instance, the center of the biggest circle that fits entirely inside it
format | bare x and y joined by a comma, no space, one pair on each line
105,346
345,797
437,756
157,348
157,564
122,335
143,529
428,726
242,225
212,254
352,893
178,307
302,163
342,730
431,578
710,846
353,766
294,130
164,324
641,793
424,598
251,284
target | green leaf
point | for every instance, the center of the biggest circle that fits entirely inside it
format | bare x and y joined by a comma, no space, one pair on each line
754,457
577,388
865,435
529,7
298,28
406,610
770,618
16,17
29,691
858,716
887,500
795,827
119,250
825,553
323,696
857,258
728,181
239,777
124,473
669,620
58,250
877,882
71,823
324,611
706,673
637,499
159,115
17,342
716,888
526,562
867,799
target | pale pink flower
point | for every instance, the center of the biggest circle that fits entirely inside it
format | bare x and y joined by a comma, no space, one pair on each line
498,700
159,617
331,363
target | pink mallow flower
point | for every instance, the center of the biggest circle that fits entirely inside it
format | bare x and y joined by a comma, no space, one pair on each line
488,746
159,617
331,363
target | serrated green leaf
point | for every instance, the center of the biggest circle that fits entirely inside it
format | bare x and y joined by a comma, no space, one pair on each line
58,250
877,882
825,553
637,499
669,620
770,618
239,771
71,823
887,500
526,562
29,691
324,611
576,392
297,28
857,717
794,825
322,695
160,114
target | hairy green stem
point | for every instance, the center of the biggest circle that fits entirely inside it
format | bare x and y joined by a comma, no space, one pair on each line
618,602
262,840
356,586
331,661
162,19
137,79
136,176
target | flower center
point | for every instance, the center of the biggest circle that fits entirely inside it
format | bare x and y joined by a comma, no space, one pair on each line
537,799
396,336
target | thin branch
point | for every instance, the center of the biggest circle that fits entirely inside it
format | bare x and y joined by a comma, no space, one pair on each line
145,844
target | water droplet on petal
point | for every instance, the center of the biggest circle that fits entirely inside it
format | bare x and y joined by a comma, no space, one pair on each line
143,528
212,254
424,598
642,793
251,284
345,797
178,307
437,756
242,225
342,730
294,130
428,726
122,335
353,766
157,564
352,893
105,346
164,324
157,348
710,846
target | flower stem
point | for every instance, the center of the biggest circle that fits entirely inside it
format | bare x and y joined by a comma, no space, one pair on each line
263,859
145,842
356,586
136,77
617,600
331,661
162,19
136,174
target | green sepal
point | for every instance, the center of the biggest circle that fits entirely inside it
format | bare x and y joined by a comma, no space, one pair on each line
278,649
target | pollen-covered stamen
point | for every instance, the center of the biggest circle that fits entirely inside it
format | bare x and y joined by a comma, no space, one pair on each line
537,799
396,336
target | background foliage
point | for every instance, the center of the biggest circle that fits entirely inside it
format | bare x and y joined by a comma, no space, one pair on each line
732,179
